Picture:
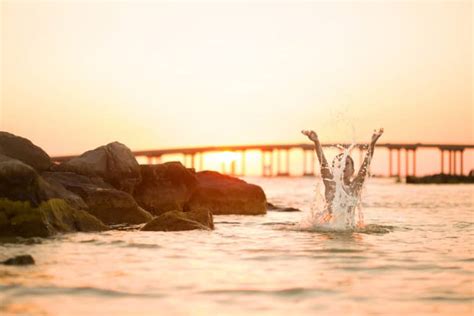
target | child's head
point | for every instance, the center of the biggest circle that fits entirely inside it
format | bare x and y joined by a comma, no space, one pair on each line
349,165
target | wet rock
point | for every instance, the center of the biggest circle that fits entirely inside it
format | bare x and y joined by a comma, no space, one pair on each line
24,150
114,162
20,218
202,216
54,189
275,208
165,187
440,178
20,182
181,221
108,204
20,261
227,195
26,210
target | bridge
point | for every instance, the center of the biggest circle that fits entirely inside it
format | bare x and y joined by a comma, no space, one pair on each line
448,152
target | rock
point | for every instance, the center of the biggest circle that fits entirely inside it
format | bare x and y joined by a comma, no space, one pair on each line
54,189
108,204
227,195
179,221
20,182
115,163
202,216
272,207
20,218
20,261
440,178
26,210
25,151
165,187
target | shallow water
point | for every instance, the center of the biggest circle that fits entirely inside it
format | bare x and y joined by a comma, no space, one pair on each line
417,257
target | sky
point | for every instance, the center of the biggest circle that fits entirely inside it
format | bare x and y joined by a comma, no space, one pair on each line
79,74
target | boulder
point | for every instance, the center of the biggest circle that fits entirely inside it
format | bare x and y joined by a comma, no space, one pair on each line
115,163
54,189
165,187
24,150
26,210
227,195
108,204
22,260
179,221
20,182
21,219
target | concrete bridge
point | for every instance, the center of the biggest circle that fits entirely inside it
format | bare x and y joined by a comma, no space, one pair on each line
447,151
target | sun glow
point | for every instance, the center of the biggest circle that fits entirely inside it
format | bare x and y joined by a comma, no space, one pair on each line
225,161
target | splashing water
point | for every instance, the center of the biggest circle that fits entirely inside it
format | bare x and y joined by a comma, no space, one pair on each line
344,212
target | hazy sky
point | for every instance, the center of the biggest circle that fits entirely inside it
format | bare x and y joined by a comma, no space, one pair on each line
78,74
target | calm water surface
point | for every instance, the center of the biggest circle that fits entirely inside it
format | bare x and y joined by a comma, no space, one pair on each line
262,265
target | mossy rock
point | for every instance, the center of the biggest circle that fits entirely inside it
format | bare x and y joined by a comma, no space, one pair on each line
181,221
20,218
20,182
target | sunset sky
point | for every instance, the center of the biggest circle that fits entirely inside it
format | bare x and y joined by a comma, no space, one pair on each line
79,74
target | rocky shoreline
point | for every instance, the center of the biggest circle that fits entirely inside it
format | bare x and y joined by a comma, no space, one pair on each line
106,186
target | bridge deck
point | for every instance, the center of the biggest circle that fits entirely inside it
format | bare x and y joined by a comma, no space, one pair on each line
306,146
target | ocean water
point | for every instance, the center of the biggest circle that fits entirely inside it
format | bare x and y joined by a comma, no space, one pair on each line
420,263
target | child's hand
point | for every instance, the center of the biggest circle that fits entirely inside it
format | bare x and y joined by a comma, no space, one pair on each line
376,135
311,135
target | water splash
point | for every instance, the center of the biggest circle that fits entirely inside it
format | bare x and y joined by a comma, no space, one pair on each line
344,212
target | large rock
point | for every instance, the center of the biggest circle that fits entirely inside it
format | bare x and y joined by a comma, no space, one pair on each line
179,221
20,182
165,187
20,218
108,204
115,163
26,209
227,195
24,150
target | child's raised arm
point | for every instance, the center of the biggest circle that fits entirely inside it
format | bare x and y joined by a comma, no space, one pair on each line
364,168
325,171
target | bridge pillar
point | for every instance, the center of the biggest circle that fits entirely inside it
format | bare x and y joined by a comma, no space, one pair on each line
313,162
309,172
462,162
232,168
390,162
304,162
193,156
399,173
442,161
267,169
450,162
414,162
454,162
407,162
201,161
280,172
242,167
288,162
150,160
